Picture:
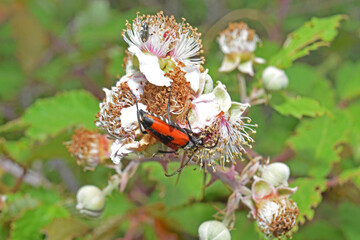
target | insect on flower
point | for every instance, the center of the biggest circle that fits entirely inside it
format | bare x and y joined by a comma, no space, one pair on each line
169,132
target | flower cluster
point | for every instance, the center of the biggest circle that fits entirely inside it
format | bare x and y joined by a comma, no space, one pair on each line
270,204
168,101
164,70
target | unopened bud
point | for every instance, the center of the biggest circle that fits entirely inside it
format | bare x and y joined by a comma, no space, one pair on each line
274,79
213,230
90,201
276,173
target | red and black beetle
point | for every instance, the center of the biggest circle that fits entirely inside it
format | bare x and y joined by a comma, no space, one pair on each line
169,132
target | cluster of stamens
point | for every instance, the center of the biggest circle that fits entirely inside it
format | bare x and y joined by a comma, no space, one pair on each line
277,216
88,147
109,116
234,29
156,97
228,137
162,36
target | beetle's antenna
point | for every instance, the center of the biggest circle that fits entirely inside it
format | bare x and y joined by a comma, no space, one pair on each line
181,168
168,105
216,143
137,113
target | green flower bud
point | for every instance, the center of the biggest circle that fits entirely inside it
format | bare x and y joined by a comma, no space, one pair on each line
213,230
90,201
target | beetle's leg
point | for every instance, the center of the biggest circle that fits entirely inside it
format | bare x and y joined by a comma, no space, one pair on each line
187,119
160,151
181,168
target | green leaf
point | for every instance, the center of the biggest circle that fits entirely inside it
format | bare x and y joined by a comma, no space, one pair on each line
308,196
25,149
300,107
12,129
312,35
353,110
350,174
31,40
19,150
46,196
189,218
244,228
47,117
318,230
315,143
107,229
70,228
350,217
117,205
348,80
306,81
11,79
17,203
28,226
273,130
189,186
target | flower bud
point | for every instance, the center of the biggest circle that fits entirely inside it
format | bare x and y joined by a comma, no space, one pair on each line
277,174
213,230
276,216
90,201
274,79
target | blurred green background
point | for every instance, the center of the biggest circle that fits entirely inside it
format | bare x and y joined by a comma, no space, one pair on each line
52,46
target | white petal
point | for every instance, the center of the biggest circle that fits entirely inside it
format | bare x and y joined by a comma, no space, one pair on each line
222,97
135,81
259,60
120,149
128,117
150,67
229,63
208,85
193,75
247,67
261,189
222,42
237,109
108,94
204,112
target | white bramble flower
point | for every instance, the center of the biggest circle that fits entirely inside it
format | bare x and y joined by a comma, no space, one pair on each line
160,43
274,78
238,43
220,120
164,53
89,147
118,115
